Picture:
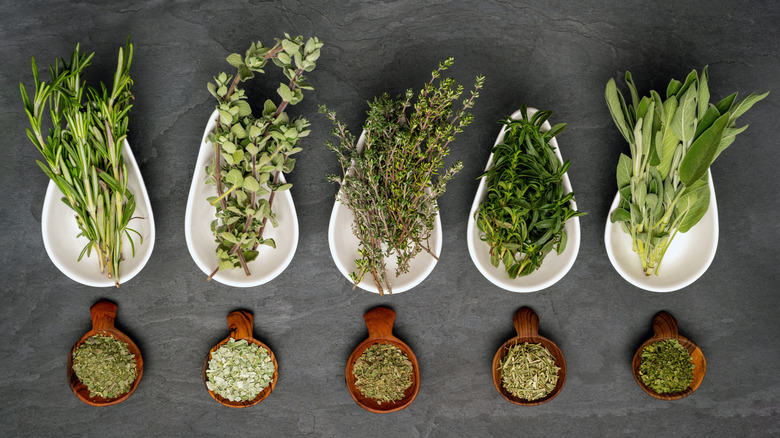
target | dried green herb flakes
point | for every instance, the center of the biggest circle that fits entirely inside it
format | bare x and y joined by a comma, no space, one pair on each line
383,373
666,367
105,365
238,370
528,371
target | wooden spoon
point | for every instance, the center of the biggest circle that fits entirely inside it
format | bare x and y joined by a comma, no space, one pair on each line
527,325
379,322
665,327
103,314
240,325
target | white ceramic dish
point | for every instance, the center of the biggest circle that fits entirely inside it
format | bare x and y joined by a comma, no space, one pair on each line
60,230
344,250
688,257
554,266
202,245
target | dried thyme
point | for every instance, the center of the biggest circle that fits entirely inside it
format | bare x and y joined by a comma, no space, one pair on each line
105,365
383,373
666,367
238,370
528,371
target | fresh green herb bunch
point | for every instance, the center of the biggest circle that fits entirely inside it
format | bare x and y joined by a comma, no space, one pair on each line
251,153
391,184
83,150
239,371
525,209
105,365
666,367
528,371
383,373
664,183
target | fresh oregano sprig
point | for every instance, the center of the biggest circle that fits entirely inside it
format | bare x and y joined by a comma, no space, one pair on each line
663,185
394,179
83,151
252,152
525,209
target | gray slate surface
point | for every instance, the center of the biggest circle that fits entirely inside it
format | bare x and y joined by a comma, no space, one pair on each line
552,55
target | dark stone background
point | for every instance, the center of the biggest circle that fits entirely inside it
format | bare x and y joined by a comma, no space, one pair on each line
553,55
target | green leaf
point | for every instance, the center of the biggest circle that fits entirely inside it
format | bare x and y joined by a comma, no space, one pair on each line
745,104
634,94
701,154
243,108
668,139
696,211
251,184
235,60
235,178
285,93
228,237
283,187
228,147
706,120
683,123
624,171
613,103
620,215
725,104
673,88
704,94
728,137
225,117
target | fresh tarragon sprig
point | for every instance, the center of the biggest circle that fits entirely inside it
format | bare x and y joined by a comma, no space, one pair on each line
252,152
663,185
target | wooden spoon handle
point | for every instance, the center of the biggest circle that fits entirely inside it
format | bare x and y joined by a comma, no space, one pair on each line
526,322
379,322
103,314
240,324
665,325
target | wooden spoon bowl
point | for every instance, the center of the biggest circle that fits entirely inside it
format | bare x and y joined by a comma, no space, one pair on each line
103,314
665,328
527,325
240,324
379,322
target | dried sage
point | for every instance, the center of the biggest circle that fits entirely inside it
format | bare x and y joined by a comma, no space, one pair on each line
105,365
666,367
528,371
383,373
238,370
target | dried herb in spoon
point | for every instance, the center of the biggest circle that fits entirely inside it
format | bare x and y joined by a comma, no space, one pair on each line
528,371
105,365
239,370
383,373
666,367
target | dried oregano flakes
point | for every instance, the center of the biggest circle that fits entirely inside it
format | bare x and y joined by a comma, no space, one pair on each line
383,373
105,365
239,370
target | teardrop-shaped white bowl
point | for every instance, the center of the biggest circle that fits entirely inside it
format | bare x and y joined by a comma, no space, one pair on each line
201,243
344,249
554,266
688,257
60,230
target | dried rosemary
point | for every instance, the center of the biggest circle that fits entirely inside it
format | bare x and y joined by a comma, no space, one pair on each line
528,371
383,373
666,367
105,365
239,370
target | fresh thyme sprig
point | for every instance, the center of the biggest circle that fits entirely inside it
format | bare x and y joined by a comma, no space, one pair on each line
83,151
251,153
391,184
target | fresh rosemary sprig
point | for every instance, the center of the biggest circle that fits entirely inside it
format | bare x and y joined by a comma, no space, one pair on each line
663,185
83,151
395,181
251,153
525,210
